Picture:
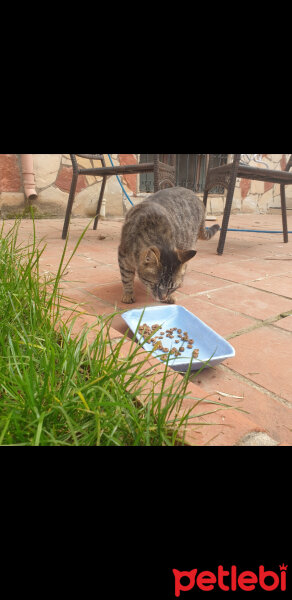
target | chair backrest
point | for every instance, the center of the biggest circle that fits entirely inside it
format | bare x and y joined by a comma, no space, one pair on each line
168,159
246,158
91,156
162,165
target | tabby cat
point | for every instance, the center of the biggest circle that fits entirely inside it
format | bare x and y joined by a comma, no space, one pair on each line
157,240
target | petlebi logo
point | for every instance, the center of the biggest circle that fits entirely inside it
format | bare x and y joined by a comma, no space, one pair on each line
230,579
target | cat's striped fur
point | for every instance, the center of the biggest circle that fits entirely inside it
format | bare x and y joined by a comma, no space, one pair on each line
158,238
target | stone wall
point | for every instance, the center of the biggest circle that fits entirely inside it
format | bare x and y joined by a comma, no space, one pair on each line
261,196
254,196
53,179
53,174
11,184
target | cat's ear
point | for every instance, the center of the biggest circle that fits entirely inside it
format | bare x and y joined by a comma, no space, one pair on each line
185,255
151,256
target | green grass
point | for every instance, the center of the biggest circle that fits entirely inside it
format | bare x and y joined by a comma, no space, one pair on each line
60,390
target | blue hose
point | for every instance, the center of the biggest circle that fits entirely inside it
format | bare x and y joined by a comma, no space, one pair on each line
120,181
254,230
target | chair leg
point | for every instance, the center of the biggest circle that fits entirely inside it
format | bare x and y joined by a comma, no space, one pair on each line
99,203
206,193
284,213
69,205
226,215
156,172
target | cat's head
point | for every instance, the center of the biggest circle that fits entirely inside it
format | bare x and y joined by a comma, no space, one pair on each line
162,271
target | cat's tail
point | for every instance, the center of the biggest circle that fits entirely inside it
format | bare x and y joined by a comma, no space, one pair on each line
206,234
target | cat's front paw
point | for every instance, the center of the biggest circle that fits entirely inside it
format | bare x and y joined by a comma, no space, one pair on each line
170,300
128,298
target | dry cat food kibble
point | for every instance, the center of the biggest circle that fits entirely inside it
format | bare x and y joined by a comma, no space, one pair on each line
149,331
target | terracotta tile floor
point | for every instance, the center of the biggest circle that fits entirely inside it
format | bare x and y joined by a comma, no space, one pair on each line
245,295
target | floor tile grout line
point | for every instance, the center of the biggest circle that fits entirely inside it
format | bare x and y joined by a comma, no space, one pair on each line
257,386
235,312
243,283
107,302
265,322
257,322
268,292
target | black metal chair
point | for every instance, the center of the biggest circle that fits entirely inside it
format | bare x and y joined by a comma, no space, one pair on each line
226,175
163,167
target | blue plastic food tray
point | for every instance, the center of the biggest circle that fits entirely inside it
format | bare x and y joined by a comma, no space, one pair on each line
213,348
